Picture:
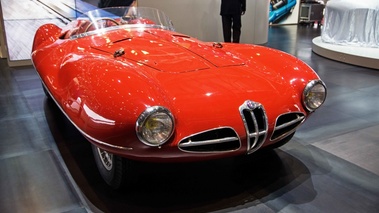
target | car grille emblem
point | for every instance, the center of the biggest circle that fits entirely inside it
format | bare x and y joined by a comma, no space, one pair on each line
252,105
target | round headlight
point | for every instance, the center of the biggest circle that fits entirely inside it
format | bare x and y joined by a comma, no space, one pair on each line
155,126
314,95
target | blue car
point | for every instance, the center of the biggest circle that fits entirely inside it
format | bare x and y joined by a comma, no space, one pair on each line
280,8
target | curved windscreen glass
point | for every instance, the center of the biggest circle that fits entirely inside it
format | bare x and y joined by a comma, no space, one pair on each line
101,20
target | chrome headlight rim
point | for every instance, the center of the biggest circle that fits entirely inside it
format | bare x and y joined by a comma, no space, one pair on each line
311,106
142,120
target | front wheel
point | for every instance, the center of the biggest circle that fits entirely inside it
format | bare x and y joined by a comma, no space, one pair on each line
115,170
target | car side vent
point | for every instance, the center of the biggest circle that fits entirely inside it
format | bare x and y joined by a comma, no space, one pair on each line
287,124
216,140
255,121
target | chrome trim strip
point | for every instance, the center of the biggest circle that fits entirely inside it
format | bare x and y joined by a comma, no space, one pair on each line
80,130
208,142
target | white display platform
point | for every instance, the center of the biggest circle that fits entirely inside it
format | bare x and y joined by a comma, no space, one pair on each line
361,56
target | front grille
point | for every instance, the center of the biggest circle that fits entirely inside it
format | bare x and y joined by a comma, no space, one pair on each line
215,140
255,121
286,124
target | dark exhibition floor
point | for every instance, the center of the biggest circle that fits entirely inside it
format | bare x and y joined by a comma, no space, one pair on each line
331,165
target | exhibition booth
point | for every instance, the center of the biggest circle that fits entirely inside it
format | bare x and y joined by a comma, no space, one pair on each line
117,87
198,18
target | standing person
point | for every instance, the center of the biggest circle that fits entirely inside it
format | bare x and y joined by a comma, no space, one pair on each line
231,12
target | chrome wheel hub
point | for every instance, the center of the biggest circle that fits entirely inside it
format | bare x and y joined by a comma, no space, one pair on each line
106,159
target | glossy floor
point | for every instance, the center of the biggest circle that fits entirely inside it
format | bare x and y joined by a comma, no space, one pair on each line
331,165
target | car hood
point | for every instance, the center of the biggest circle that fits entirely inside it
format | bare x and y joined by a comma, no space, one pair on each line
168,51
211,86
220,88
212,98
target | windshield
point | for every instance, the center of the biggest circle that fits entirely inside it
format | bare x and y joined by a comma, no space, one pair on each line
106,19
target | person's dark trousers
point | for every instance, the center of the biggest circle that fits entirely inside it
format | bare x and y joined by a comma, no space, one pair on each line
229,22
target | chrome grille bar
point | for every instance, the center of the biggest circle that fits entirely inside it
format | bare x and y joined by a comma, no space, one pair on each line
208,142
221,139
256,126
286,124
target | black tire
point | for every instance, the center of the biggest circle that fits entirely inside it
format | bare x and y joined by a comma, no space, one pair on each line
115,170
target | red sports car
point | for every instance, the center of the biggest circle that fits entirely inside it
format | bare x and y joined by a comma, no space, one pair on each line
139,91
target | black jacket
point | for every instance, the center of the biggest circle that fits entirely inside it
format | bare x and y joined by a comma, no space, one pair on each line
232,7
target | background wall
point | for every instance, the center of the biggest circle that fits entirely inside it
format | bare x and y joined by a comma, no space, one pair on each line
198,18
21,18
201,18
